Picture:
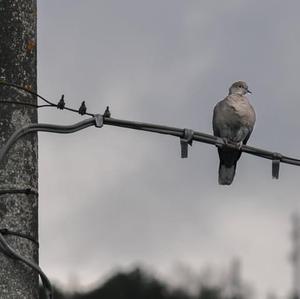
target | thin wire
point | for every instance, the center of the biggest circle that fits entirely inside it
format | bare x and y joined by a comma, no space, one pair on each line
26,90
27,104
46,105
77,111
49,103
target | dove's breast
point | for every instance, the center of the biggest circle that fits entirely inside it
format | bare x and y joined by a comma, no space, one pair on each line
234,118
241,110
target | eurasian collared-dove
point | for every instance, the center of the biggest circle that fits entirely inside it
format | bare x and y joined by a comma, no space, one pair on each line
233,121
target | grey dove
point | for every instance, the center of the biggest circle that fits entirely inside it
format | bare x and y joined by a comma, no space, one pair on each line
233,121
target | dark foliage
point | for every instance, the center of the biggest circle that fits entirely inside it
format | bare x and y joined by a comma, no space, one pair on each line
136,285
57,294
210,293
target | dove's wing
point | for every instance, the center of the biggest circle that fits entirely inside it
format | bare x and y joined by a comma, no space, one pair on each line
233,119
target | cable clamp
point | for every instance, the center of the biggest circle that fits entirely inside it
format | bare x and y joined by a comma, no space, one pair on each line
186,140
276,158
98,120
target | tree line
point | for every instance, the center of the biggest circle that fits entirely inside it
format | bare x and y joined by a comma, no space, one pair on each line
136,284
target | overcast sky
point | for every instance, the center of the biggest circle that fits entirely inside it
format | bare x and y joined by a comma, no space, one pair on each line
114,197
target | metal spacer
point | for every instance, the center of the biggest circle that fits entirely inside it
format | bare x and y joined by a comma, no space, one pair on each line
186,140
276,158
98,120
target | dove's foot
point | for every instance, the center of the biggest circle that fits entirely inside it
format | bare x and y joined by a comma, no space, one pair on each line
221,142
239,145
226,141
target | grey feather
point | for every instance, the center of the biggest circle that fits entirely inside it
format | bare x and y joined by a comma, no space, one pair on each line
226,174
233,120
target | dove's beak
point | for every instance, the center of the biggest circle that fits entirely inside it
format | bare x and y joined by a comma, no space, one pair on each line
249,91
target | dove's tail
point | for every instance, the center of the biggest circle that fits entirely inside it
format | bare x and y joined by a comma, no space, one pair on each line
226,174
228,160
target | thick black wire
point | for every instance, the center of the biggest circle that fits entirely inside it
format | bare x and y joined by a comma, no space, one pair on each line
46,128
198,136
166,130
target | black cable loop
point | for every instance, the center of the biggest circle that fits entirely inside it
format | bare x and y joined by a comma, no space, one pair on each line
98,120
8,251
19,191
5,231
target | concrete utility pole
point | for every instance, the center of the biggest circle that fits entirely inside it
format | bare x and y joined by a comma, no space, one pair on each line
19,209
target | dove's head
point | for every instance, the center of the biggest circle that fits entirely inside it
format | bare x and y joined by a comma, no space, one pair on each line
239,87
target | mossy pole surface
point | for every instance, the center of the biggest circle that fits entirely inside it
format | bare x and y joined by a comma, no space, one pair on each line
18,212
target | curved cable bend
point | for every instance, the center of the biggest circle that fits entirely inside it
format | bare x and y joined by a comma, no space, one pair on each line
8,251
96,121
